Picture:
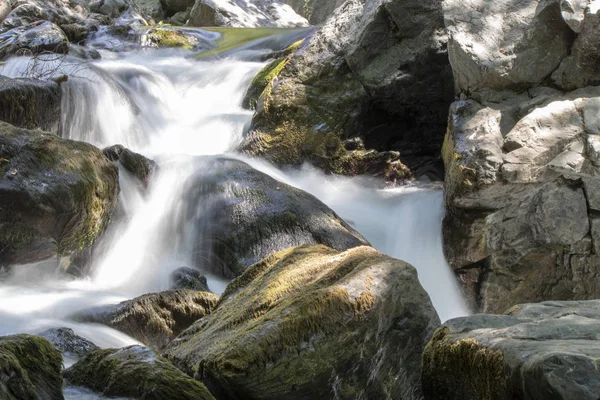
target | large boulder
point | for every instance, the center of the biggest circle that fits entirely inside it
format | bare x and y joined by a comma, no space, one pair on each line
313,323
154,319
242,215
30,103
56,195
134,372
244,14
538,351
31,369
522,176
377,71
34,39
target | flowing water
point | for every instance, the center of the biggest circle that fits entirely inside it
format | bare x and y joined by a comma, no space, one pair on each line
169,108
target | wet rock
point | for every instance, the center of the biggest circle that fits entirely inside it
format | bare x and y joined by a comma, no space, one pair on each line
315,11
85,53
135,372
141,167
59,12
31,369
161,36
375,70
33,39
68,343
172,7
110,8
309,320
241,14
241,215
188,278
30,103
154,319
56,195
152,8
538,351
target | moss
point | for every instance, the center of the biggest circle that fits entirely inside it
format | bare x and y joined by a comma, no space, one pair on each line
168,37
481,376
262,81
16,236
134,372
459,178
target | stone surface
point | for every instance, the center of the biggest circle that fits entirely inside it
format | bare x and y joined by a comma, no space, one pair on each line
241,215
154,319
56,195
243,14
30,103
538,351
311,320
188,278
521,190
375,70
34,39
68,343
134,372
315,11
139,166
31,369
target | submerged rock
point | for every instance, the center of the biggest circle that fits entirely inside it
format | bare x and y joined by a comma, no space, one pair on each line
311,322
242,14
154,319
241,215
538,351
31,369
135,372
376,70
68,343
188,278
56,195
30,103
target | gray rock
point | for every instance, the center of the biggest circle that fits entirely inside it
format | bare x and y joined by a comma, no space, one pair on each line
242,14
139,166
172,7
56,195
68,343
59,12
33,39
188,278
315,11
152,8
30,103
544,351
311,320
154,319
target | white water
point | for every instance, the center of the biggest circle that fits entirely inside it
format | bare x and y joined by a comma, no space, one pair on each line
167,108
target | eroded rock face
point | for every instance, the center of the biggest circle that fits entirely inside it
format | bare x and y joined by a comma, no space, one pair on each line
243,14
521,189
134,372
311,320
56,195
31,369
376,70
30,103
156,318
538,351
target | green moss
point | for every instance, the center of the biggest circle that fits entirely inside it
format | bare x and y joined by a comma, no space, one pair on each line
262,81
459,178
168,37
16,236
462,369
232,38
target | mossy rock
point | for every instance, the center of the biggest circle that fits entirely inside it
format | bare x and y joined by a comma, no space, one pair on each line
164,36
30,103
30,369
154,319
56,195
136,372
188,278
311,322
247,215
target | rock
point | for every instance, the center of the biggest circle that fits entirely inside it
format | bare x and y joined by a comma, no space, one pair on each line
33,39
311,321
59,12
135,372
85,53
154,319
510,45
180,18
241,216
172,7
242,14
110,8
376,70
539,351
520,191
315,11
188,278
30,103
56,195
152,8
31,369
141,167
5,9
68,343
169,37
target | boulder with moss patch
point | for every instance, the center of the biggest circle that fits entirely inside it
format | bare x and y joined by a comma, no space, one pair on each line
539,351
30,103
313,323
156,318
164,36
134,372
56,195
30,368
